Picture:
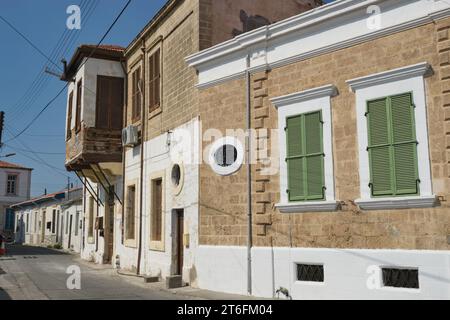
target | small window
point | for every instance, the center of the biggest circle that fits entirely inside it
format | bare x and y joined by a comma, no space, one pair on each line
109,103
53,221
78,107
69,116
310,272
130,213
91,218
156,214
11,185
136,95
176,175
401,278
154,81
226,156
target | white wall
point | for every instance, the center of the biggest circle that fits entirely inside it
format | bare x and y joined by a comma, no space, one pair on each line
346,272
76,237
159,158
23,190
88,74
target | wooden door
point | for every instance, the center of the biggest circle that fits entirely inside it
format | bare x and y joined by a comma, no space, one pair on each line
180,242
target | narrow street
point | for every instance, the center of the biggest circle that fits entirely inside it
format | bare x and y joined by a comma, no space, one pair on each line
31,273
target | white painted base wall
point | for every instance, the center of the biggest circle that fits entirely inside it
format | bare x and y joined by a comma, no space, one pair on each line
346,272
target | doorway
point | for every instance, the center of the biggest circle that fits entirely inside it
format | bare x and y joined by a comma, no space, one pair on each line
179,214
70,232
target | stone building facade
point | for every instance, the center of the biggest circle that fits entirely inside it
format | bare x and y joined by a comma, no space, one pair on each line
161,187
348,242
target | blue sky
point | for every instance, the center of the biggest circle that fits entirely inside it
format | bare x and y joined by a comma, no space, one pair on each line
25,89
43,22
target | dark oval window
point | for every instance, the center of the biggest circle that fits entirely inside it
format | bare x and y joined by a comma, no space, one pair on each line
226,155
176,175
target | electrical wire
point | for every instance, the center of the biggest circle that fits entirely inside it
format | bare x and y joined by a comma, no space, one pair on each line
29,41
67,84
65,43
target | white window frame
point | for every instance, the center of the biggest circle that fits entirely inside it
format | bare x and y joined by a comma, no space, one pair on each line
384,84
234,167
317,99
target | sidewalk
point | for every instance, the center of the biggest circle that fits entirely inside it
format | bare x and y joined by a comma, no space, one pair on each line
160,286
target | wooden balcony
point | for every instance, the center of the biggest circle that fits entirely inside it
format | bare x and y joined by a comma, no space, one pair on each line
93,146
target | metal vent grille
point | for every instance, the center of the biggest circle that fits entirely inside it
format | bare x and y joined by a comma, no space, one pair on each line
401,278
310,272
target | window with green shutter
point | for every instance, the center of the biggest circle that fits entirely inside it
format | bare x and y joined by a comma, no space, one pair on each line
305,157
392,146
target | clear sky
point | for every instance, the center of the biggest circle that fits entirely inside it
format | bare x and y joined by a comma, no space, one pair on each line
25,89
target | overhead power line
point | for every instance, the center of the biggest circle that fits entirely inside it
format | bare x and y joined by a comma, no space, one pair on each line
81,65
29,41
35,152
63,45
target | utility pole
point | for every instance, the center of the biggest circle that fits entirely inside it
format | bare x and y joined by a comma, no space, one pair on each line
2,122
68,188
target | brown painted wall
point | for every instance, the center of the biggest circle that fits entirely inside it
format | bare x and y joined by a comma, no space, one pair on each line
223,218
221,17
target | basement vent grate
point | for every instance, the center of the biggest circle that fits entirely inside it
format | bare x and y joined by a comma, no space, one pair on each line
401,278
310,272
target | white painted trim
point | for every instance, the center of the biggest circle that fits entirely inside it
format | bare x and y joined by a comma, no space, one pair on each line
349,273
398,203
340,24
319,206
418,70
226,171
325,91
393,85
295,104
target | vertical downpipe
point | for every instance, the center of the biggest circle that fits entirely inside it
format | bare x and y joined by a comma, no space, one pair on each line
249,182
141,186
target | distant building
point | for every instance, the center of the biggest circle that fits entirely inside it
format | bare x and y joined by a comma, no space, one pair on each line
15,183
49,219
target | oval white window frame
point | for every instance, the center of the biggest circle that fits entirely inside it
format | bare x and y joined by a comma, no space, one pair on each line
177,188
226,171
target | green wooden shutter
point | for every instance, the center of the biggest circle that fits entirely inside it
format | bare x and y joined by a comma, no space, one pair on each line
314,156
392,146
404,144
379,148
295,160
305,158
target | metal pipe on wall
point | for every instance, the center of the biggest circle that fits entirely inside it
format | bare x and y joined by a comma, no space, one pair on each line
249,182
141,185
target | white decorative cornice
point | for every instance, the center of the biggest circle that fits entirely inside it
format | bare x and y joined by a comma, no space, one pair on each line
398,203
301,207
325,91
331,27
418,70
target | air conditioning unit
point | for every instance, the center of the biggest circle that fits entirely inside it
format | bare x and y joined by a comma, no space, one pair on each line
130,137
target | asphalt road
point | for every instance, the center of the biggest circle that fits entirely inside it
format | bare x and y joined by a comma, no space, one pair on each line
31,273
